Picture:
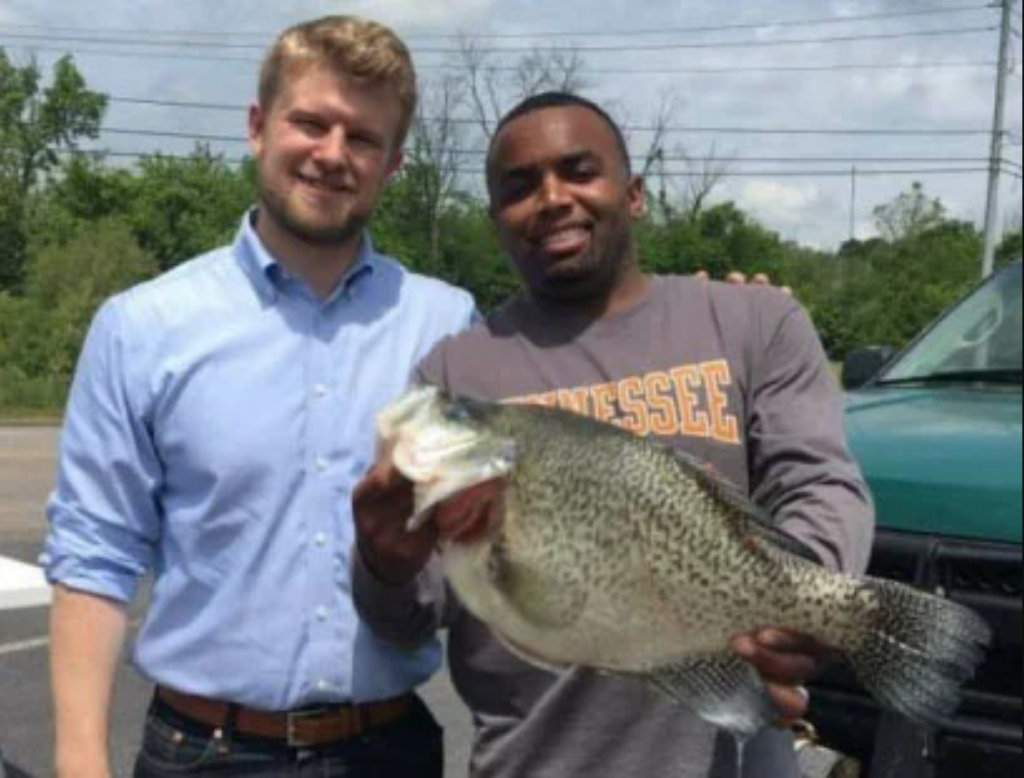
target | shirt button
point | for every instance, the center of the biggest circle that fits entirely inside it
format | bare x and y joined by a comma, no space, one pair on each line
321,613
322,463
321,540
320,391
323,685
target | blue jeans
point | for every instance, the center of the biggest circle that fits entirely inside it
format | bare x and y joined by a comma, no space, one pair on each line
175,746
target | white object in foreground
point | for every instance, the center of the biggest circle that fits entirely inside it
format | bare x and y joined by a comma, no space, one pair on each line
22,586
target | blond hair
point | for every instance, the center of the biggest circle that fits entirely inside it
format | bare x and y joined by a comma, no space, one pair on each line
357,48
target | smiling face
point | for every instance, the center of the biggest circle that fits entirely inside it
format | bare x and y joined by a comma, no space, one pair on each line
324,147
563,202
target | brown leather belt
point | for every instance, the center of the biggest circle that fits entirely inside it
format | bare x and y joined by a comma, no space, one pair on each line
298,729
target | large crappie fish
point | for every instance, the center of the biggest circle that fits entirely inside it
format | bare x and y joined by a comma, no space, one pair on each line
618,554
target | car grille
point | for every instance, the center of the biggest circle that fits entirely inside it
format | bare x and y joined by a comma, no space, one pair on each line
985,734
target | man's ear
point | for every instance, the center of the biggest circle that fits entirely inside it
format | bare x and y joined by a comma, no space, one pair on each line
256,126
636,195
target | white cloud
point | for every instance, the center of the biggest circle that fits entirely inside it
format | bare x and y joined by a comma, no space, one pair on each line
779,204
9,15
810,210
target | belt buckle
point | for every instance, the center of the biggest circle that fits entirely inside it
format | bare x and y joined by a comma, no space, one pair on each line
293,719
353,713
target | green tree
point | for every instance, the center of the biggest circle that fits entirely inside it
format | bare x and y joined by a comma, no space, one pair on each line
717,239
886,291
24,349
68,282
910,214
37,123
12,233
184,207
1010,249
89,191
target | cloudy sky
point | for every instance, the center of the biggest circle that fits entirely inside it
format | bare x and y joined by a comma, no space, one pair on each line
928,82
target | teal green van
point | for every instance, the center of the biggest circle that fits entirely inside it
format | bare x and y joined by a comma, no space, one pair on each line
936,429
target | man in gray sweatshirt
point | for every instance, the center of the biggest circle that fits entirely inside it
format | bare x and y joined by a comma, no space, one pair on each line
734,375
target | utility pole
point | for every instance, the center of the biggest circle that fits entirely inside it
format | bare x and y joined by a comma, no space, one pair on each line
998,137
853,203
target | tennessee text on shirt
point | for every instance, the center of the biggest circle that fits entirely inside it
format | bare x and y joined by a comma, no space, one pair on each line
688,401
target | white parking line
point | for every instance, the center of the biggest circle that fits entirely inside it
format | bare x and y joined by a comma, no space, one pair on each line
24,645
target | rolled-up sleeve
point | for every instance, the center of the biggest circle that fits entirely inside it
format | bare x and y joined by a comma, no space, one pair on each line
103,516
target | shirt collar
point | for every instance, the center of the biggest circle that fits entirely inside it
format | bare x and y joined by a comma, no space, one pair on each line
268,275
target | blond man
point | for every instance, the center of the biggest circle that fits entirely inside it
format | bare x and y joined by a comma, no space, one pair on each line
220,418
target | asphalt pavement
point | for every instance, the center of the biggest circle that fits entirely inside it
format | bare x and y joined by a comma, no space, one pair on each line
27,467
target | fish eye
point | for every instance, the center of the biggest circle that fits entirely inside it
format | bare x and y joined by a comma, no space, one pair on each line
456,412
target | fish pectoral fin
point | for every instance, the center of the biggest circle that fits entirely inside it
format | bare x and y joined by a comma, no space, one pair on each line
722,689
543,598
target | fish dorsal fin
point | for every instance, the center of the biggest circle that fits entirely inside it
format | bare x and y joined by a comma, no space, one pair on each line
755,521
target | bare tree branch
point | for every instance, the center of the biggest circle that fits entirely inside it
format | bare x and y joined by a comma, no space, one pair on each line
435,160
482,83
705,176
492,89
701,177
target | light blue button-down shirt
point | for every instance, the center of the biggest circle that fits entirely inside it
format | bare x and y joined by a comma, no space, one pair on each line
219,420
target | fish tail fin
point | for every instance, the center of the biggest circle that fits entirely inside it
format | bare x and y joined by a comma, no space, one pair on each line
919,651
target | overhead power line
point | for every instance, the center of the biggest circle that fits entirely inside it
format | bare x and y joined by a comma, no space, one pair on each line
205,106
788,160
264,35
596,49
670,174
78,52
731,70
823,131
540,34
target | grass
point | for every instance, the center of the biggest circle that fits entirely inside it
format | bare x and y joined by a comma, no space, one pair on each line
27,417
31,400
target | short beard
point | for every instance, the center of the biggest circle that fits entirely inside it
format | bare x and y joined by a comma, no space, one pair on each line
328,236
597,282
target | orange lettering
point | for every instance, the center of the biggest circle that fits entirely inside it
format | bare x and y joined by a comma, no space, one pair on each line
574,400
724,426
603,402
633,409
694,423
664,419
547,400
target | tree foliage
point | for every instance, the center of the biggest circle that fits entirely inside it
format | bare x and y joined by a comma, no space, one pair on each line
78,228
37,124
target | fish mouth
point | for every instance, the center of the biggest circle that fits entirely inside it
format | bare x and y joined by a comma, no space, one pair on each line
445,471
436,443
423,460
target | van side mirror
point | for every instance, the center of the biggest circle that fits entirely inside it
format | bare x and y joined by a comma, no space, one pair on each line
864,364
